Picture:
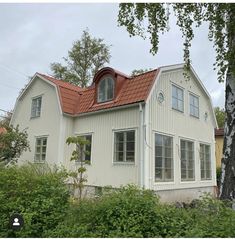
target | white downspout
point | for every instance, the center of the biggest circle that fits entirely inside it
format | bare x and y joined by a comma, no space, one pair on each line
141,143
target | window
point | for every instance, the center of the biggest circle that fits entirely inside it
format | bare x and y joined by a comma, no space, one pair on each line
194,105
177,98
187,160
86,151
36,107
106,89
40,149
163,158
205,162
124,146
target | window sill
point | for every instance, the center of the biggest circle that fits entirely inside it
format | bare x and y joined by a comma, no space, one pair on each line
176,110
195,117
34,117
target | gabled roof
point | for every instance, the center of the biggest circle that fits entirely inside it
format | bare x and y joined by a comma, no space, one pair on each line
76,100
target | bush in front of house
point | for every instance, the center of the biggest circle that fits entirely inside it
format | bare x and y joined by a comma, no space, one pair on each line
37,193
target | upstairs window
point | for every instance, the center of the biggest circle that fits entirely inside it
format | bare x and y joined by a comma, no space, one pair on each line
194,105
106,89
177,98
36,107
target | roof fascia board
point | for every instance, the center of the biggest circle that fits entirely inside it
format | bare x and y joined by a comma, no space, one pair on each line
105,110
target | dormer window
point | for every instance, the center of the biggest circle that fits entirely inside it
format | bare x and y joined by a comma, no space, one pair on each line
106,89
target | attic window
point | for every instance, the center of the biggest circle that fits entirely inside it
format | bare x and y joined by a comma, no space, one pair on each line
106,89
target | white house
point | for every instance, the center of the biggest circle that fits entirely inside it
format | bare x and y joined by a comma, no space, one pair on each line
155,130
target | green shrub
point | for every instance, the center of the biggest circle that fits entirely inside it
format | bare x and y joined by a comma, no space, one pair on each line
37,193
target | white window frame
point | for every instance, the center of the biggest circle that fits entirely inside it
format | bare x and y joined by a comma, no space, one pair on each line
163,180
105,79
124,148
41,153
205,169
85,135
192,105
181,89
36,108
187,179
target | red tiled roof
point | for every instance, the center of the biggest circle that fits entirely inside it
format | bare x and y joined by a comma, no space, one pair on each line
219,132
2,130
76,100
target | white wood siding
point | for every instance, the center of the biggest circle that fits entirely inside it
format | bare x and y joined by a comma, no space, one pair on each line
103,171
165,120
48,124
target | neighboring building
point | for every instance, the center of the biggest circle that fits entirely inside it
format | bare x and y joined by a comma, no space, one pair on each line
155,130
219,143
2,130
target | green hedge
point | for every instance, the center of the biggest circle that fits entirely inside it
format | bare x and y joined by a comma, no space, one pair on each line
37,193
43,200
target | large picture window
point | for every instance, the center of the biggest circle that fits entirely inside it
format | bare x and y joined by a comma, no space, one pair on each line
177,98
36,107
40,149
187,160
205,162
194,105
163,158
124,146
106,89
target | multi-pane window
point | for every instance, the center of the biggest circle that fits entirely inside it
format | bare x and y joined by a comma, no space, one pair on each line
124,146
163,158
36,107
187,160
40,149
177,98
194,105
85,153
205,162
106,89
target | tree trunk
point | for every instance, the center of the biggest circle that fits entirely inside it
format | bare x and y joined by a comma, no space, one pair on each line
227,188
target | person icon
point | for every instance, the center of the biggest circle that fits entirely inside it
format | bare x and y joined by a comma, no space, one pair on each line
16,222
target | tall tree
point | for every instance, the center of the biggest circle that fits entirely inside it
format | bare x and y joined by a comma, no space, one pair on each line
151,19
220,116
85,58
139,71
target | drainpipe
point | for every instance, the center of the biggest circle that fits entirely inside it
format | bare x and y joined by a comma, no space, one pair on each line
141,143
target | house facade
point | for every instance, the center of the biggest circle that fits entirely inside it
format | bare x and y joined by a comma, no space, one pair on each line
155,130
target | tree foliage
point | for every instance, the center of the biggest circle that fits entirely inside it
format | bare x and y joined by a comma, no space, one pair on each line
139,71
85,58
151,19
220,116
12,144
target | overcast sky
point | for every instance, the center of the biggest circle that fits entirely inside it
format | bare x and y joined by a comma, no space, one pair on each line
34,35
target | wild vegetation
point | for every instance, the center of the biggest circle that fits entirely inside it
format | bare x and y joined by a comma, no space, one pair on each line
40,195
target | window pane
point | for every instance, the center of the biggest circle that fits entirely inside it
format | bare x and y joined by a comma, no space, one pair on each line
168,174
130,146
174,103
101,91
119,157
158,173
119,137
130,136
158,150
180,94
158,162
158,140
174,91
130,156
168,162
109,82
180,105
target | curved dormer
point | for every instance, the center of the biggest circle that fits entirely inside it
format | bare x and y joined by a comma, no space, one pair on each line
108,83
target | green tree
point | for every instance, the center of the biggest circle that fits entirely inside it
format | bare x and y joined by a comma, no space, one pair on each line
220,116
85,58
140,71
12,144
5,119
78,155
151,19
